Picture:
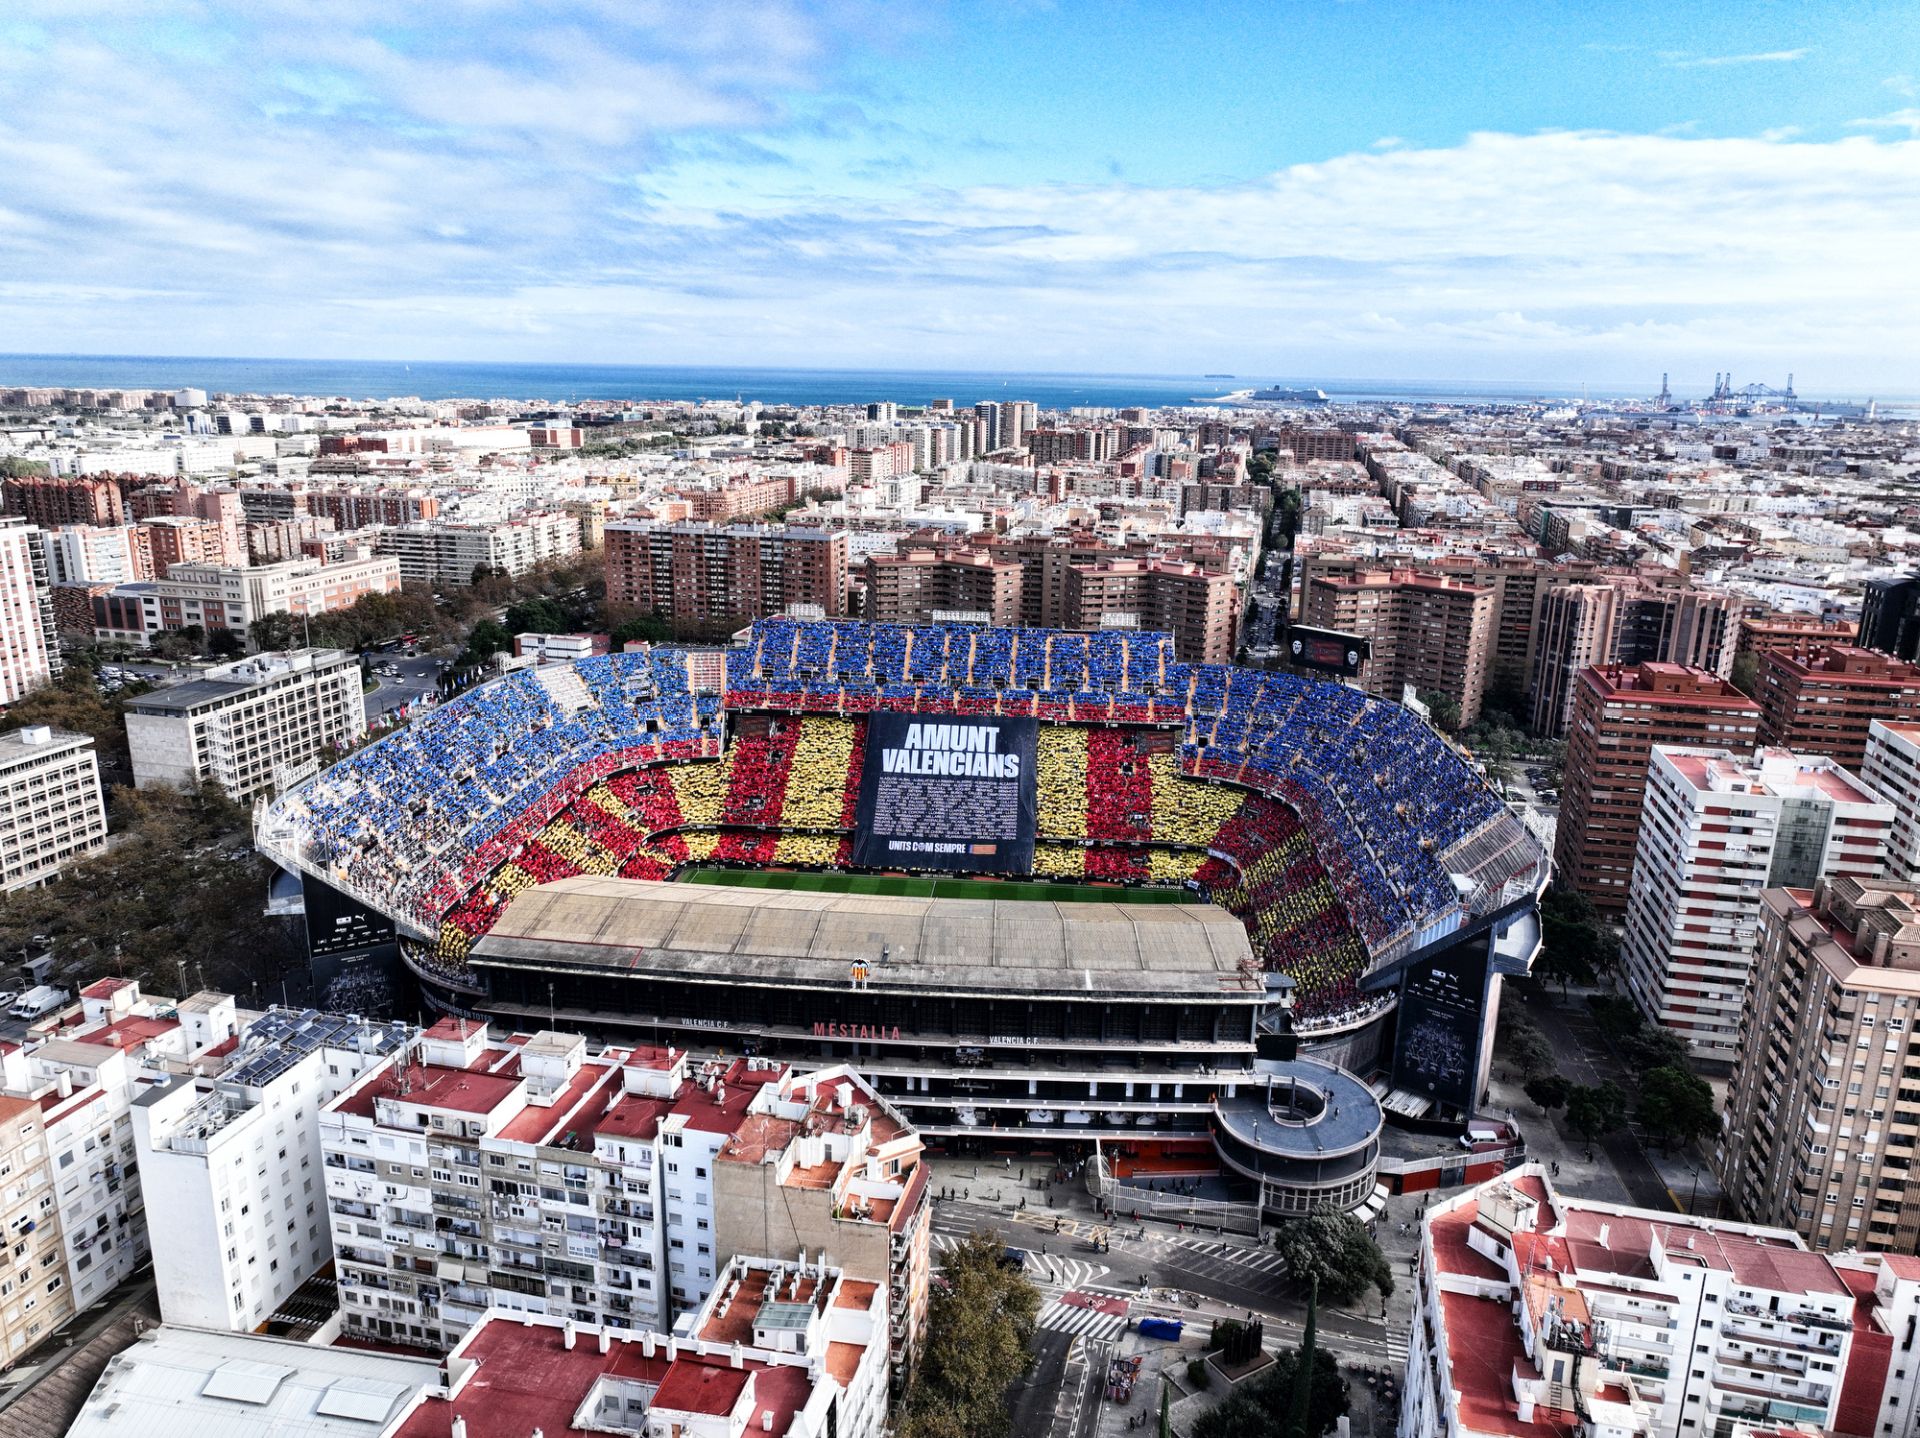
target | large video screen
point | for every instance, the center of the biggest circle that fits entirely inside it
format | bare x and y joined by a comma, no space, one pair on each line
950,793
1328,650
1442,1004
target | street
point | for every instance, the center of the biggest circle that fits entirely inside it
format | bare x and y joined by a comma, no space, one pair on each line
1196,1277
418,678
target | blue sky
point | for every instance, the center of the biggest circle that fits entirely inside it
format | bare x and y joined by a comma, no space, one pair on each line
1544,192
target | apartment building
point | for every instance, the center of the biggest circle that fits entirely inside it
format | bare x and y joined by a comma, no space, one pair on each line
1823,701
435,552
530,1174
80,1070
821,1166
173,540
364,508
1892,770
1430,631
231,1166
1198,607
747,497
251,725
1619,714
51,809
35,1297
1577,625
1822,1117
778,1349
219,597
1717,829
933,585
97,554
52,501
705,573
29,655
1539,1313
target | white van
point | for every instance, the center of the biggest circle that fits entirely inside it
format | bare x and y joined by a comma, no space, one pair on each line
38,1001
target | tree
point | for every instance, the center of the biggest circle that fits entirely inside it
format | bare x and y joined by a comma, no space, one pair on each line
539,615
1336,1249
488,638
1259,1408
1746,674
650,628
179,643
1526,1048
1565,964
1595,1110
1676,1105
1618,1018
1651,1048
276,631
1444,709
176,901
978,1327
226,643
1549,1091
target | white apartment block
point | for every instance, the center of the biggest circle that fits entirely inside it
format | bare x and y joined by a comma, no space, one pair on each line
1716,830
1538,1312
249,725
231,1165
51,810
1892,768
435,552
29,657
530,1175
79,1080
94,554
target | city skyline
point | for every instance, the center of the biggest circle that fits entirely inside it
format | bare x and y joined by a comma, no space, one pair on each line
1353,190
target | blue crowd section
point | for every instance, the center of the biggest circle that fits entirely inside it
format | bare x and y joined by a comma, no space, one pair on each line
1383,794
418,818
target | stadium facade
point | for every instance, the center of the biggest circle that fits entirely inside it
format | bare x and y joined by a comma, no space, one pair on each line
508,856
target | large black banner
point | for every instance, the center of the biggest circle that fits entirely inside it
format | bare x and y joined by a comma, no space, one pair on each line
949,793
1442,1004
355,954
1328,650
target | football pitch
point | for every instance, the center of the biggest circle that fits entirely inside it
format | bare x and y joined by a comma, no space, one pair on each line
901,886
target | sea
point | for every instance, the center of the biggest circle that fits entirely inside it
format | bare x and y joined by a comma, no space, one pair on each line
559,383
568,383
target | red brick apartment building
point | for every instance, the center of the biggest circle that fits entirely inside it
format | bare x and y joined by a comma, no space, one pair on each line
708,573
1619,714
1821,700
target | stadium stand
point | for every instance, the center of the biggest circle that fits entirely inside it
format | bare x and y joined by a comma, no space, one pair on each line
1323,819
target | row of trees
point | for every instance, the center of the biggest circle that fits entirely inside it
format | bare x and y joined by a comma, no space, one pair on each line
178,901
1671,1103
979,1324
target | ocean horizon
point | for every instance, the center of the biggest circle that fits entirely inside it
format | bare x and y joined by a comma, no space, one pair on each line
567,383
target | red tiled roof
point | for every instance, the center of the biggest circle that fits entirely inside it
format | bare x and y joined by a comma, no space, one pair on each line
431,1086
1483,1347
1868,1358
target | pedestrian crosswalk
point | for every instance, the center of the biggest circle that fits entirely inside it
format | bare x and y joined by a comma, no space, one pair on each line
1240,1255
1041,1267
1062,1317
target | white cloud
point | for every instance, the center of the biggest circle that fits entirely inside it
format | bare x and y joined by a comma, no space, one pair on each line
339,190
1907,119
1678,61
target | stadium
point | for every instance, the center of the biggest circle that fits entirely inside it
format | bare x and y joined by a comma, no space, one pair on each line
1045,888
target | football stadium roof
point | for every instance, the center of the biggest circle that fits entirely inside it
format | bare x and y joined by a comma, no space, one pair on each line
813,939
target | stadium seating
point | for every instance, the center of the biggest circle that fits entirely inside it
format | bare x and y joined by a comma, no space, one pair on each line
1318,815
